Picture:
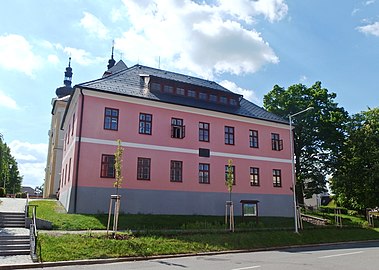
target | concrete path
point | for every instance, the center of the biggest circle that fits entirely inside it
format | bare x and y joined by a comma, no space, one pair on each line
12,205
18,206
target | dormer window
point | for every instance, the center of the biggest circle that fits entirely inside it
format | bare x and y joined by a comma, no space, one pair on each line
212,98
224,100
180,91
155,86
203,96
168,89
177,128
191,93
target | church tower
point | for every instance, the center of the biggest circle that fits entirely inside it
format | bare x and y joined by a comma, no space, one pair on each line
56,136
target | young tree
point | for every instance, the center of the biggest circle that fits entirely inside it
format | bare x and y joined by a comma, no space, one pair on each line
318,134
356,182
118,165
229,178
9,174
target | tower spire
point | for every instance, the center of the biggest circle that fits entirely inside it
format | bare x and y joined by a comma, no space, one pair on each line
68,74
66,89
111,61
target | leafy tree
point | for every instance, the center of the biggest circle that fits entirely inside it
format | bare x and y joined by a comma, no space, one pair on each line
118,165
356,182
318,133
229,178
9,173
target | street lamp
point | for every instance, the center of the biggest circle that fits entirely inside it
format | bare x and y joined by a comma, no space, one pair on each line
293,166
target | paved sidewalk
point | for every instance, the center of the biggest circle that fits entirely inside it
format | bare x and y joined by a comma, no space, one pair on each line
14,205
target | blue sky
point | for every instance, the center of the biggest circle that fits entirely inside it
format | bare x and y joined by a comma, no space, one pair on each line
247,46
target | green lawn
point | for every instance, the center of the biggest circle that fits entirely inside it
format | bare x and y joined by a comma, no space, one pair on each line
91,246
165,234
54,212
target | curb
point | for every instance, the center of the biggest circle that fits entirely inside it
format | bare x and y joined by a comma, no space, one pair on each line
140,258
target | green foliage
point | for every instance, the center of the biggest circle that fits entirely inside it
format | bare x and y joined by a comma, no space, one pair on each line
21,195
331,209
318,133
88,246
3,192
229,178
356,183
118,165
9,169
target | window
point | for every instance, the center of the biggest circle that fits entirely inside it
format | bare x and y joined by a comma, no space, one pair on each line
224,100
204,132
145,123
204,173
213,98
111,119
176,171
203,96
168,89
277,177
73,122
253,138
143,168
233,168
107,166
65,177
191,93
233,102
155,86
69,171
180,91
177,128
229,135
254,176
276,142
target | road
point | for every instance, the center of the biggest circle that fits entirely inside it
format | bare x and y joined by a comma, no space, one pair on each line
362,256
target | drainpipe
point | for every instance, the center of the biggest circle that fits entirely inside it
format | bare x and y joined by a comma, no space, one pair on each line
78,153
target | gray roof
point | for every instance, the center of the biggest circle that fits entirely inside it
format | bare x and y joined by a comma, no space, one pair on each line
128,82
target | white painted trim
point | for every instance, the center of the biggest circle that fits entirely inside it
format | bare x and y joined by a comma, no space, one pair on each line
169,106
182,150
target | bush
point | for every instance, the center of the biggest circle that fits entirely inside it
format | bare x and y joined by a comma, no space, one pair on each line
330,210
21,195
3,192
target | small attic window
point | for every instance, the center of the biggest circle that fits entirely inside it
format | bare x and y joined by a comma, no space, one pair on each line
168,89
180,91
224,100
233,102
155,86
203,96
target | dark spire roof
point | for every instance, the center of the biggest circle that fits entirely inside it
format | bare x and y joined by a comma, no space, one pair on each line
111,61
67,88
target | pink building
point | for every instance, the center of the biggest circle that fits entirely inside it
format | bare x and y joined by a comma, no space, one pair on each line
178,134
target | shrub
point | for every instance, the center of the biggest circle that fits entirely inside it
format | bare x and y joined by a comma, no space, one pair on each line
330,210
21,195
3,192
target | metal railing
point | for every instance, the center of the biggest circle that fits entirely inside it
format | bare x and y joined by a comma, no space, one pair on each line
33,233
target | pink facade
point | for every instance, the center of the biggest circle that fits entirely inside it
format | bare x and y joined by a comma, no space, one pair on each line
83,189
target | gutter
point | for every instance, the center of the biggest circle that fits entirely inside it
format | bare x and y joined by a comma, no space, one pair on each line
78,153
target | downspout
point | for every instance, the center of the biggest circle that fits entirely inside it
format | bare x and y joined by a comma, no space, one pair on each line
78,153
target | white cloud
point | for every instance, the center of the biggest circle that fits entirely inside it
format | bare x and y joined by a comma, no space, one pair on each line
246,10
247,94
52,58
82,57
31,159
202,39
7,102
369,2
16,54
370,29
94,26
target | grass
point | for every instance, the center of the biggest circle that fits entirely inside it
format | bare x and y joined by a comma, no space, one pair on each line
92,246
166,234
54,212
